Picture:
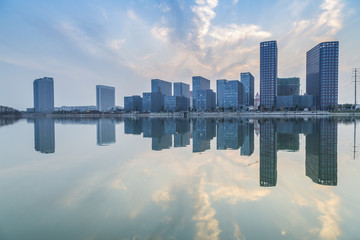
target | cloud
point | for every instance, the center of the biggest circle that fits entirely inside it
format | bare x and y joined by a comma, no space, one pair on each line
331,16
117,43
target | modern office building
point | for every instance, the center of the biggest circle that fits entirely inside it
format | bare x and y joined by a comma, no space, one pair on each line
162,87
199,83
205,100
233,95
133,103
220,86
301,101
43,95
105,98
257,101
322,74
268,73
44,135
175,103
288,86
230,94
183,90
247,80
152,102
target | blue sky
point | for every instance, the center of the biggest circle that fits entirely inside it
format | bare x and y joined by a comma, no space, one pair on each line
126,43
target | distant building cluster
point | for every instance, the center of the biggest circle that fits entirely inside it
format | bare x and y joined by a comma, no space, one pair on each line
231,95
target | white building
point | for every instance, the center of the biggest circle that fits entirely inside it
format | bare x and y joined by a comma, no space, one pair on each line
105,98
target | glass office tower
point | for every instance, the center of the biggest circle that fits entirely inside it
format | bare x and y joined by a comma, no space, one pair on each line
44,95
268,73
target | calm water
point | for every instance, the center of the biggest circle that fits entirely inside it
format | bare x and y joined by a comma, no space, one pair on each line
179,179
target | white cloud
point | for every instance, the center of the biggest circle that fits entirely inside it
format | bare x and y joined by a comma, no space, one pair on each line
161,33
117,43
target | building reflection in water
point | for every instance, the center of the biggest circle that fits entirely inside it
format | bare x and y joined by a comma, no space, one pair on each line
105,131
44,135
275,135
247,147
321,152
268,156
204,130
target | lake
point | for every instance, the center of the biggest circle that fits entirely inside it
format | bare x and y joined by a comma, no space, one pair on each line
179,178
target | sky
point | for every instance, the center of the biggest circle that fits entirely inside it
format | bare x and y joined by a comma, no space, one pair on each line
125,44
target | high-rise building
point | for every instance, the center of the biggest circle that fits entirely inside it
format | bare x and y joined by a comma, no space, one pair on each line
199,83
133,103
105,98
162,87
183,90
322,74
205,100
247,80
176,103
268,73
288,86
152,102
220,86
233,94
44,95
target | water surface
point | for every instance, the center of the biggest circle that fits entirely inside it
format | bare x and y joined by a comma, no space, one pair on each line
179,179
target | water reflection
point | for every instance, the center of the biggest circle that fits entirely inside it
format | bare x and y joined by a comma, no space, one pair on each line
275,135
321,152
44,135
105,129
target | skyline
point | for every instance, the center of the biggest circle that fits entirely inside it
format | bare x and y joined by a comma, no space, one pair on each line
125,45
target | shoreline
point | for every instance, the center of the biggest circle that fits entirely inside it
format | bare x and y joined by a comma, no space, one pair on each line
196,115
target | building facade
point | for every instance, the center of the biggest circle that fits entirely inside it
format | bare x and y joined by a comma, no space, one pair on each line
199,83
175,103
43,95
268,73
105,98
288,86
301,101
247,80
233,95
220,86
205,100
183,90
322,74
133,103
152,102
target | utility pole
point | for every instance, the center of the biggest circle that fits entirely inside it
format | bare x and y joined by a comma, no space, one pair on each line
355,73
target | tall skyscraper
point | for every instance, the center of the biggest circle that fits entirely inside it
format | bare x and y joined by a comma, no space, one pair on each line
268,73
322,74
247,80
199,83
105,98
233,95
44,95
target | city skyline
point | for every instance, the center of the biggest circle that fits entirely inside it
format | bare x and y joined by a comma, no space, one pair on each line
126,44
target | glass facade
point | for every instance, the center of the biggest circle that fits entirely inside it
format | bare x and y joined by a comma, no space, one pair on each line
105,98
322,74
268,155
199,83
152,102
247,80
288,86
43,95
183,90
205,100
268,73
233,94
220,85
175,103
133,103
